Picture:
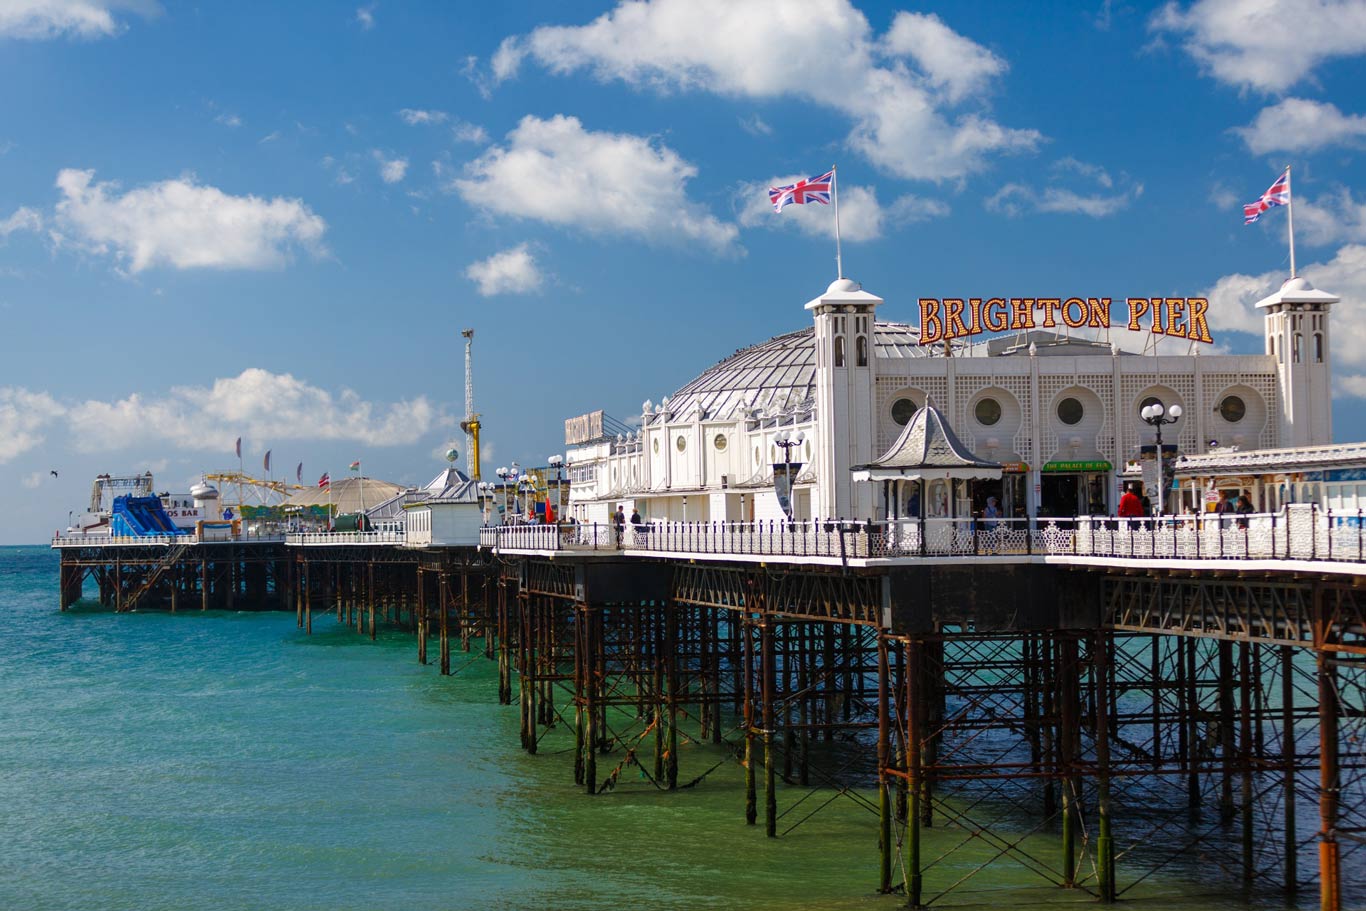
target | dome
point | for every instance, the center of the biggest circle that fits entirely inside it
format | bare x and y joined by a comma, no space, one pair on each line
1297,284
777,376
843,284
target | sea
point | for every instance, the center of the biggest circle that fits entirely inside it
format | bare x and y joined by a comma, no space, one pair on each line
227,761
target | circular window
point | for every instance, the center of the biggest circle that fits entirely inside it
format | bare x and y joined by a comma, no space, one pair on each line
1070,411
1232,409
681,443
720,441
903,410
656,445
988,411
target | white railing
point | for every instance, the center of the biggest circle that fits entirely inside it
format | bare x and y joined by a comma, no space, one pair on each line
1298,532
317,539
73,539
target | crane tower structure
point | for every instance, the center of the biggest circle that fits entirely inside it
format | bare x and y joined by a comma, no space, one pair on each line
471,422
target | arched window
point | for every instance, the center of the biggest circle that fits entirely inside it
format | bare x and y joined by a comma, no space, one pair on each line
861,346
1297,354
1318,347
839,351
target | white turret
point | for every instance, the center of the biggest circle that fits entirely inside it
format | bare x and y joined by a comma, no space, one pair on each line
845,379
1297,335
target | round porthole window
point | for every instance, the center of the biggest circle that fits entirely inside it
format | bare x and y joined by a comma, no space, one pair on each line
988,412
1070,411
656,445
1232,409
720,442
681,443
903,410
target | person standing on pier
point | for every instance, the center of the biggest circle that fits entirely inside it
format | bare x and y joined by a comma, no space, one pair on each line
619,524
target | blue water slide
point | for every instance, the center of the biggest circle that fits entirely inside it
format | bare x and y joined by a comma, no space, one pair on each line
141,517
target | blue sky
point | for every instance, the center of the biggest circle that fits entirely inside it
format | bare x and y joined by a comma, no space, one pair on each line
273,220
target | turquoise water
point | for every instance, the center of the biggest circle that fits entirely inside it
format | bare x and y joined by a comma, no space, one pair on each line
227,761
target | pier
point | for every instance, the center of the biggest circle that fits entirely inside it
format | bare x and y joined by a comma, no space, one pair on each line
1086,700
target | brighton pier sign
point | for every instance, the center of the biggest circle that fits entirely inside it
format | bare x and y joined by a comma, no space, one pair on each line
956,317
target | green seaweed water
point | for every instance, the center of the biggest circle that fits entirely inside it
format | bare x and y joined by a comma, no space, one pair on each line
228,761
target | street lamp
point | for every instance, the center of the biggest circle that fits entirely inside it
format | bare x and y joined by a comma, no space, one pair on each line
557,462
508,476
788,442
1157,416
486,490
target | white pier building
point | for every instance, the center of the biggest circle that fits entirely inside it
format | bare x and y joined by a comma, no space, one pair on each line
1061,414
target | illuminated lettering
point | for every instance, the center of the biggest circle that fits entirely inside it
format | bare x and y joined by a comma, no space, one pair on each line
1022,310
1176,316
1067,318
1199,328
975,309
1048,305
931,324
953,318
995,315
1138,306
1098,312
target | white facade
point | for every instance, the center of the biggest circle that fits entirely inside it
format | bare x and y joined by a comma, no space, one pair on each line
1061,413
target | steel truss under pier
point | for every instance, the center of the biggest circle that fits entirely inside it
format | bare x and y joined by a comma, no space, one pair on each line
1090,726
180,576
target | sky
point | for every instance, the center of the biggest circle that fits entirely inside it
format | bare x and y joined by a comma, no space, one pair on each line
272,221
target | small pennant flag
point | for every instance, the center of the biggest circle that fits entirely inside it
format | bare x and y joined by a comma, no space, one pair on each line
299,474
266,463
355,466
239,447
325,480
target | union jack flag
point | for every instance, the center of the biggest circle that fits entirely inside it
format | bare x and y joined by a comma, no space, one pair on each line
1278,195
813,189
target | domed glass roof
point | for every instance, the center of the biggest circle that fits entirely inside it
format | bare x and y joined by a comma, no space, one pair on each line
776,377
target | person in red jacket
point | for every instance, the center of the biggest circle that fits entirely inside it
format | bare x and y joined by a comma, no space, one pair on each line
1130,506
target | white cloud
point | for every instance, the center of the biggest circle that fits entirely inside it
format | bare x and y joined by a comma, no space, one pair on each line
365,16
23,219
898,92
951,62
1014,199
1301,125
862,217
257,404
512,271
391,170
1268,45
754,125
229,120
1331,219
39,19
34,479
1232,300
557,172
184,224
24,415
415,117
470,132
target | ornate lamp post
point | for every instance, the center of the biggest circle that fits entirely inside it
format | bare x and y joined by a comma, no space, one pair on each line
788,442
1157,416
486,490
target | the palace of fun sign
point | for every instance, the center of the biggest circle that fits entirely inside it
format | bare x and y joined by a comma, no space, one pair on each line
955,317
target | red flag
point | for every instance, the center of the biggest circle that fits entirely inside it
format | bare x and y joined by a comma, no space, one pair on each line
325,480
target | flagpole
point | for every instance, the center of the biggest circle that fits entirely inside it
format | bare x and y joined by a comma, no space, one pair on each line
1290,219
835,192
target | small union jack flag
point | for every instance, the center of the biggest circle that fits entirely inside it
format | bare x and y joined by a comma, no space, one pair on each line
1278,195
813,189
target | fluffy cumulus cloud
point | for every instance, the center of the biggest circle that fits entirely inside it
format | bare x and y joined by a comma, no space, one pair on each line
510,272
1267,45
557,172
391,170
1233,298
38,19
1330,219
1071,187
862,216
24,416
1301,125
255,403
184,224
906,93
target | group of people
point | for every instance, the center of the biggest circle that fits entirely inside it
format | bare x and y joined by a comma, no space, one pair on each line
1134,506
619,521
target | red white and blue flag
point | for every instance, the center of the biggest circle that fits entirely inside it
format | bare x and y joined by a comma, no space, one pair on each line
325,480
813,189
1277,195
